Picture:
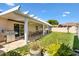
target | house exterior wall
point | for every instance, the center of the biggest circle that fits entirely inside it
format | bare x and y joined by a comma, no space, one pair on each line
33,32
32,27
10,26
7,25
3,23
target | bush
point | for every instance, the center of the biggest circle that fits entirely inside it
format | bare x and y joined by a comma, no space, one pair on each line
17,52
59,50
22,50
52,49
65,51
11,53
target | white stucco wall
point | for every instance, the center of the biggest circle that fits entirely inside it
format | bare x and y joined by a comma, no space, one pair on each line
64,29
7,25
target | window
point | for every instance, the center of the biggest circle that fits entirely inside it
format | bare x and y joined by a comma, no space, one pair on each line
36,27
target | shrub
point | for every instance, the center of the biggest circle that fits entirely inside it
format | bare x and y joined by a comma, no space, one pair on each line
17,52
11,53
65,50
23,50
59,50
52,49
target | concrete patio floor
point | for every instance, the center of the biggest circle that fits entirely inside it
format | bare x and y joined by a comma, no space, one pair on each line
12,45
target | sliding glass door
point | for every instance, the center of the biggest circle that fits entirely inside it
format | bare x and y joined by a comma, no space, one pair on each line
19,30
16,29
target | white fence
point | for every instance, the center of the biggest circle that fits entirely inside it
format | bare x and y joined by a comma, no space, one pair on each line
72,29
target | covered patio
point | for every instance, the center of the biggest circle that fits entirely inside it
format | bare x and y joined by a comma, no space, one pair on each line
22,26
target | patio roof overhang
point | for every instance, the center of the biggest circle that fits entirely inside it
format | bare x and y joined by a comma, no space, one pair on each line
11,14
16,15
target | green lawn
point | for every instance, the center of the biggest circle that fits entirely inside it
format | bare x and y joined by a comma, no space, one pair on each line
58,37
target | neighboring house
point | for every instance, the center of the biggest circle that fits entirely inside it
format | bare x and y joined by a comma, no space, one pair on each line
67,27
15,25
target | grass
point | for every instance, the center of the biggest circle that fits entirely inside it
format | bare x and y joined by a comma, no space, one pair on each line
58,37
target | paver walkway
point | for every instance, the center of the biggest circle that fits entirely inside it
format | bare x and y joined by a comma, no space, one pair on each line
13,45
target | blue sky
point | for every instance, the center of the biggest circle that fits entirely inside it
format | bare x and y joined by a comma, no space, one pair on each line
59,11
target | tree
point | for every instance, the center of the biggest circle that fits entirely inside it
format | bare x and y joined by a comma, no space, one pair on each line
53,22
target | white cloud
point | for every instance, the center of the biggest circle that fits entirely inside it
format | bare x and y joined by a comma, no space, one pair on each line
64,15
10,4
67,12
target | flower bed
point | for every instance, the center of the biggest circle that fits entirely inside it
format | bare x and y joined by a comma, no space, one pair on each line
17,52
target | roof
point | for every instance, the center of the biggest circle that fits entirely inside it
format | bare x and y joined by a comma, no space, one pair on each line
17,9
10,10
70,24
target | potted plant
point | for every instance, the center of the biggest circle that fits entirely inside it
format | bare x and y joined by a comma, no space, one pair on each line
35,49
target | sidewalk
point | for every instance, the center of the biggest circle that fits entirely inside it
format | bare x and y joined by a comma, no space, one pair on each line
11,46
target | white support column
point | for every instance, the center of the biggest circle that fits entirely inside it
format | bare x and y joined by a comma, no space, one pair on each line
49,28
43,29
26,30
